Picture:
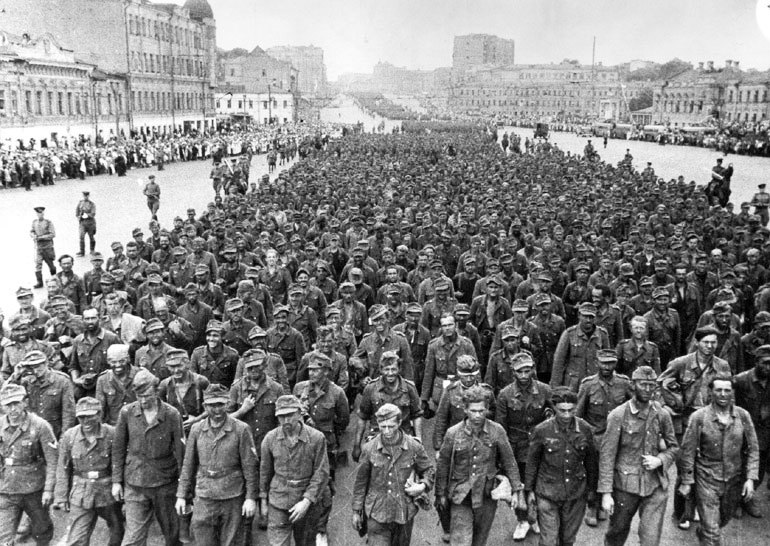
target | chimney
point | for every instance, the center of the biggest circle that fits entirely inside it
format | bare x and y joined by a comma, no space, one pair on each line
710,66
728,62
735,65
700,67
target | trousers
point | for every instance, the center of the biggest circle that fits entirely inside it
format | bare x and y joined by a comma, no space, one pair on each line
11,508
651,512
142,503
470,526
388,534
217,521
83,521
717,502
559,520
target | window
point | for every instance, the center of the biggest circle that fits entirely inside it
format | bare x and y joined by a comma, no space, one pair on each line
240,105
69,103
28,102
229,104
285,103
39,103
50,103
251,103
78,111
86,104
264,104
109,104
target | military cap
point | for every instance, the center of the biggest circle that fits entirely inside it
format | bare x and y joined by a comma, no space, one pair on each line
287,404
660,292
467,364
493,261
644,373
176,354
355,272
332,311
23,292
506,258
387,411
626,269
178,251
57,300
522,360
582,266
280,240
230,249
258,331
153,324
39,209
545,276
154,278
20,320
11,393
494,280
216,394
722,306
201,269
214,326
143,380
436,264
389,356
295,289
705,331
319,360
347,285
462,309
535,266
191,287
252,272
441,284
761,319
607,355
587,308
253,357
34,358
116,245
509,331
357,251
414,308
377,311
728,274
278,309
97,256
234,304
762,353
645,281
470,260
520,305
87,407
136,231
541,298
119,351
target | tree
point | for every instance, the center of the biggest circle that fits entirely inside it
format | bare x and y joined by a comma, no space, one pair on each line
644,100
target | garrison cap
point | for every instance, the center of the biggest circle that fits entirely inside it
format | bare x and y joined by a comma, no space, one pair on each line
143,380
644,373
582,266
287,404
176,354
23,292
295,289
607,355
153,324
34,358
522,360
509,331
587,308
659,292
58,299
201,269
11,393
278,309
415,307
387,411
258,331
214,326
87,407
520,305
542,298
645,281
254,357
462,309
234,304
319,360
377,311
216,394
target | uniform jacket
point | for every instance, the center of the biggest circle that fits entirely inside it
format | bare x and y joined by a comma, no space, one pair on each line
328,408
52,398
575,356
216,367
29,455
404,395
114,394
441,363
630,357
367,355
519,410
261,418
84,472
597,397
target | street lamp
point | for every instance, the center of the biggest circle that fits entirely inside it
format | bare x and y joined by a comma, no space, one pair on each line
270,102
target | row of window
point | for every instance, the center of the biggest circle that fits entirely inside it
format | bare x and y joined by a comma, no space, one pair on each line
530,92
747,95
158,101
162,64
164,31
746,116
537,103
229,104
58,103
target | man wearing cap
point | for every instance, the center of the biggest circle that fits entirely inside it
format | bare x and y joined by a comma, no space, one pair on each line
575,356
89,354
576,292
663,326
21,342
389,388
220,467
286,342
28,449
144,249
441,303
275,277
685,300
301,317
441,360
684,389
390,508
720,456
71,285
338,371
728,339
761,202
183,389
128,327
325,408
465,281
488,311
543,332
366,359
561,465
418,337
163,256
230,271
427,288
637,350
493,271
107,286
642,302
153,355
598,395
235,330
146,307
201,256
63,325
215,360
293,476
256,301
43,234
85,212
607,314
274,366
521,405
465,483
196,312
180,273
37,316
634,465
91,278
84,476
759,335
114,387
152,192
135,266
146,458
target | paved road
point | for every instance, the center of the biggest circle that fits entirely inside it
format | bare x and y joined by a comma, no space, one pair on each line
122,207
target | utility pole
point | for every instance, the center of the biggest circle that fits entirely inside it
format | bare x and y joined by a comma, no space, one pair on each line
593,76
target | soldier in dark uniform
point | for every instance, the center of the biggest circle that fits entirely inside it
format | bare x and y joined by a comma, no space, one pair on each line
637,350
286,342
576,293
366,359
215,360
389,388
91,279
183,389
114,387
418,337
663,326
575,356
599,394
558,468
21,344
520,407
338,372
235,330
153,355
28,448
84,476
89,354
487,312
549,328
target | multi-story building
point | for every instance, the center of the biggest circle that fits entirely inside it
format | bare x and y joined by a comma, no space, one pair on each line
707,93
248,105
472,50
559,91
255,71
309,61
166,53
47,95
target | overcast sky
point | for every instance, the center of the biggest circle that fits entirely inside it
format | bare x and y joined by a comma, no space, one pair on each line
418,34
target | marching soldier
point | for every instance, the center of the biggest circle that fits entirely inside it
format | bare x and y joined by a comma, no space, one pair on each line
84,476
183,389
575,356
637,350
286,342
215,360
43,233
85,212
114,387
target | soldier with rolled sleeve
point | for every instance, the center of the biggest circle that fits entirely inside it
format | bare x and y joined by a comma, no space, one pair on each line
598,395
220,466
326,409
84,476
293,476
393,476
49,392
520,407
575,356
560,461
29,454
474,451
638,449
146,457
389,388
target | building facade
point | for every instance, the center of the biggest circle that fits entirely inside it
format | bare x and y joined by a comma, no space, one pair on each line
255,71
472,50
309,62
275,107
707,93
166,53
